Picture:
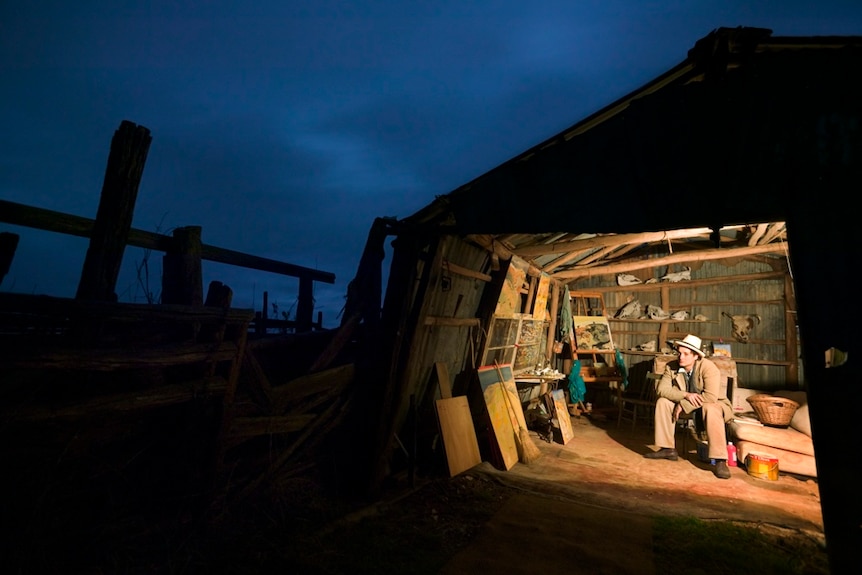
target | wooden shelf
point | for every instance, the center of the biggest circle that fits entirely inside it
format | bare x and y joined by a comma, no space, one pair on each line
601,378
627,320
736,359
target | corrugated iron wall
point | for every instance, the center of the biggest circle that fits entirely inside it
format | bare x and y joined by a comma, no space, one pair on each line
448,330
759,291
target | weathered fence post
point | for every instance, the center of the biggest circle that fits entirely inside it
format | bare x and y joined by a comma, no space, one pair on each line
8,245
305,306
129,149
261,316
182,275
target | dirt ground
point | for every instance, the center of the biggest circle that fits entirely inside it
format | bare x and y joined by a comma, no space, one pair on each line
586,507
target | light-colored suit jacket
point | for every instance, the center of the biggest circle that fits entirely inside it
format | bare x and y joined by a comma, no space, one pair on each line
707,380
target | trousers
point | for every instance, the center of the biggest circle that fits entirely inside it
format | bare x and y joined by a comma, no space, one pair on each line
713,419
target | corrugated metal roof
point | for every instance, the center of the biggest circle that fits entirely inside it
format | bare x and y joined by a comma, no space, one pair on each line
699,159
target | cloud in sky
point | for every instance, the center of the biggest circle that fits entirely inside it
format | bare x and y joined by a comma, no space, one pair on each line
285,128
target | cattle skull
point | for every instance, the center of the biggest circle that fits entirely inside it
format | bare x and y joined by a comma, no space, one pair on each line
656,312
674,277
627,280
632,309
742,325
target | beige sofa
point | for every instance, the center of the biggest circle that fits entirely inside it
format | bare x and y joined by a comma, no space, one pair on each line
792,446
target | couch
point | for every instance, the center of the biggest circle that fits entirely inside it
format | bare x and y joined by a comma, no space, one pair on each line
792,446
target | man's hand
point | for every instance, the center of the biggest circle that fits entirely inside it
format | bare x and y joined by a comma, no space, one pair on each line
695,399
677,409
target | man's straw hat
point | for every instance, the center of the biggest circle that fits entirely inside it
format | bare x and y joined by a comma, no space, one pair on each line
692,342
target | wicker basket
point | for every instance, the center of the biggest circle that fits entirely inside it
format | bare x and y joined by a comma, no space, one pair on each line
772,410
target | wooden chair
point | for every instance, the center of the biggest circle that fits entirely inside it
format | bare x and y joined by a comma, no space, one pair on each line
690,427
639,402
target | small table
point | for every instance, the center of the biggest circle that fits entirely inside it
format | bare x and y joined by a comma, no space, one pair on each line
536,385
602,383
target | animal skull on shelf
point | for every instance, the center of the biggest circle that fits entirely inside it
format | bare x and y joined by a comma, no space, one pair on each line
656,312
647,346
627,280
674,277
742,325
632,309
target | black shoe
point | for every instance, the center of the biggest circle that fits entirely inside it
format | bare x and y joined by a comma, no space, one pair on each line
663,453
721,470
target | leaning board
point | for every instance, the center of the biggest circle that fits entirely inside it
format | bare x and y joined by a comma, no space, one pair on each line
501,424
488,375
563,417
459,435
500,413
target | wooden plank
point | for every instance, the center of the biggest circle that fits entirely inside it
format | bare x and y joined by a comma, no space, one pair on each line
501,424
442,371
462,271
116,358
123,403
459,435
540,307
247,427
258,385
452,321
334,379
563,417
336,344
43,305
504,418
645,287
489,374
701,256
611,240
42,219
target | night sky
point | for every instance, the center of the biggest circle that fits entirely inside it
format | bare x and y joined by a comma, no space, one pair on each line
284,128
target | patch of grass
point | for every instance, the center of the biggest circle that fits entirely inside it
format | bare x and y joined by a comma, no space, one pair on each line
685,546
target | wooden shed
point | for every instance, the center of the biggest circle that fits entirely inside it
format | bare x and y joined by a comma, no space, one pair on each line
736,168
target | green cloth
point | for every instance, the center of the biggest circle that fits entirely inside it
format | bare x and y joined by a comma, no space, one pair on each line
577,387
622,367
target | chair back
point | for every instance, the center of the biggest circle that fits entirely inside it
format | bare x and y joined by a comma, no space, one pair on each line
650,384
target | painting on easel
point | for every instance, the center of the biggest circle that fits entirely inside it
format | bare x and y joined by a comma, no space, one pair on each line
592,333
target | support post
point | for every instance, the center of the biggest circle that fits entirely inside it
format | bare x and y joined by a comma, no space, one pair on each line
8,245
305,307
129,149
182,277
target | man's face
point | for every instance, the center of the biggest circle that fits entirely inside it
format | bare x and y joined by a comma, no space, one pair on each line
686,357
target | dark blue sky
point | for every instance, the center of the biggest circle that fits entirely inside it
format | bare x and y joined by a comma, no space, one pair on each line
284,128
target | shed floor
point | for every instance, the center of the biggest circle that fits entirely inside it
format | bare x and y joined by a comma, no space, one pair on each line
593,498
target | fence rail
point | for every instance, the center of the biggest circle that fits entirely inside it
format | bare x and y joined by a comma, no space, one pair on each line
111,232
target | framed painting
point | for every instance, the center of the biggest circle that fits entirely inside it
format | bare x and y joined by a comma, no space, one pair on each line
592,333
721,349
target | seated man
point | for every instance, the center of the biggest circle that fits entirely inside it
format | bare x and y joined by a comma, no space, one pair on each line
690,383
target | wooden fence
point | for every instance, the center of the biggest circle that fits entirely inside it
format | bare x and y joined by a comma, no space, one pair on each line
111,232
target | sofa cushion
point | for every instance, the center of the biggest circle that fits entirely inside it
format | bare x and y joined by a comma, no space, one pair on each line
800,421
785,438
